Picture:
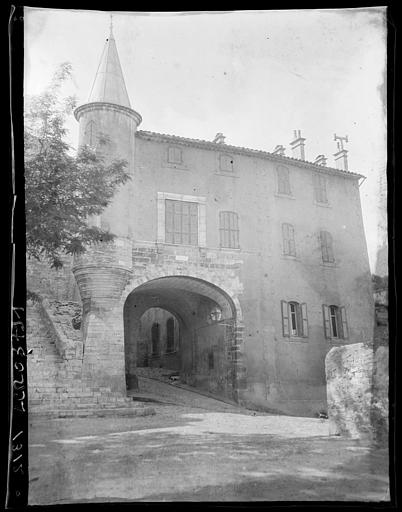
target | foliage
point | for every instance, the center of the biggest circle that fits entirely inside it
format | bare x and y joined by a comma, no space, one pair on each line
63,189
379,283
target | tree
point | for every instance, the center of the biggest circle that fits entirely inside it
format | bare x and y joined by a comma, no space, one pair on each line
62,188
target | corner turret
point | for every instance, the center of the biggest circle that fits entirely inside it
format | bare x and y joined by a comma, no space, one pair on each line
108,124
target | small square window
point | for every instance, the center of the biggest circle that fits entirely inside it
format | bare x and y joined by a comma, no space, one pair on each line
175,155
226,163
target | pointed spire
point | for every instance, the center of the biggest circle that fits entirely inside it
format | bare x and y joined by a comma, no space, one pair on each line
111,27
109,83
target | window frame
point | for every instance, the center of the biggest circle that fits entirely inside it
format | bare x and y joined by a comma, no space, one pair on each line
334,313
229,224
180,226
280,170
327,247
320,189
161,217
232,163
300,316
174,149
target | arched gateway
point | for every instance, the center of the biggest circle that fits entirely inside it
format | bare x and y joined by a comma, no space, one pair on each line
208,351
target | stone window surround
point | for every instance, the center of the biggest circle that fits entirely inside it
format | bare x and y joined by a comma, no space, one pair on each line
200,200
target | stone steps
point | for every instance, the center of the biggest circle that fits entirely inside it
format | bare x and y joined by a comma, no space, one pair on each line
54,385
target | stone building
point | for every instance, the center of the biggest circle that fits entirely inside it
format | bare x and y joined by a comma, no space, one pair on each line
238,268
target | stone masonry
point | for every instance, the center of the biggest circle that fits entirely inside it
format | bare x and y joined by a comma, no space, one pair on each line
357,391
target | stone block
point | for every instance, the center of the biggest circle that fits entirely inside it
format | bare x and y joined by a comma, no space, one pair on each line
353,389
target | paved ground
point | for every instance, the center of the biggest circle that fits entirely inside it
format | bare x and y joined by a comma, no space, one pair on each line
199,449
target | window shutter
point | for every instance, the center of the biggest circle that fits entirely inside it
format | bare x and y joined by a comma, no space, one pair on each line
304,317
285,318
330,249
344,323
327,326
292,245
323,246
285,236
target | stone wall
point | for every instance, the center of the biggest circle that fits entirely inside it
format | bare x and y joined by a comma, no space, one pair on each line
357,391
50,283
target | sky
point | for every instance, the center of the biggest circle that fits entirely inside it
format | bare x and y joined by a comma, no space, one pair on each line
255,76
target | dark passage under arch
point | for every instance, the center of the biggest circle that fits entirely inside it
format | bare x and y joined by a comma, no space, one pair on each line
187,324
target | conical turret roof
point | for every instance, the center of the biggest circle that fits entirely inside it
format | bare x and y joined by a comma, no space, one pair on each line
109,83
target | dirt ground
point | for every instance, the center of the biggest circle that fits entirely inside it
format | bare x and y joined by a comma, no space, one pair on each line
199,449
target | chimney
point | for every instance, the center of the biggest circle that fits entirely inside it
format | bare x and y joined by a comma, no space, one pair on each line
341,156
320,160
219,138
279,150
298,145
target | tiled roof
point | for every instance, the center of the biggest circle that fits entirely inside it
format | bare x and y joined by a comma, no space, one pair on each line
204,144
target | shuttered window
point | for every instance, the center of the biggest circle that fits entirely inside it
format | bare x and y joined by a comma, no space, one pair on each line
320,188
294,319
335,322
226,163
326,247
181,222
283,180
155,336
288,235
174,155
229,229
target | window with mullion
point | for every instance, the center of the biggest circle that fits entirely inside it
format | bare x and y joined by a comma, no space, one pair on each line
181,222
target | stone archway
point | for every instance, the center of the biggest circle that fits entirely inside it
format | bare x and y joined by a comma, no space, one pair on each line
210,352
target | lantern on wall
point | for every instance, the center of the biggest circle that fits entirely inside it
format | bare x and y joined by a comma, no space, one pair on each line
215,315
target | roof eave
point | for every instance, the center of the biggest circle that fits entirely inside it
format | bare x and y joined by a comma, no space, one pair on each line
162,137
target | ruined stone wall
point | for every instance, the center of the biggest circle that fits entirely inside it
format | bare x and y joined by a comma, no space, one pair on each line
357,391
50,283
